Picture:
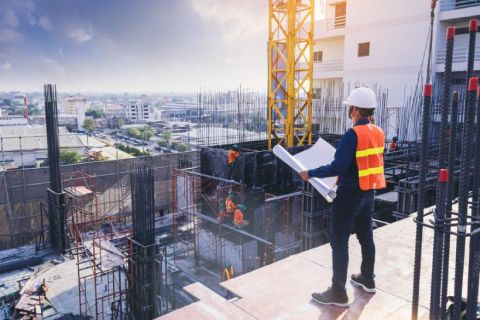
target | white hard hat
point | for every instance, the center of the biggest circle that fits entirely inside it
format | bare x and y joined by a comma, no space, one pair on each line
362,97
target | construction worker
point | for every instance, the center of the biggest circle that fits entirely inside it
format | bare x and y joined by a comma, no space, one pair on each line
358,163
227,271
230,205
394,145
238,216
233,154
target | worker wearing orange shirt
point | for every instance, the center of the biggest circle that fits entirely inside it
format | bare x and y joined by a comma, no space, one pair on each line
230,205
238,217
227,271
394,145
233,154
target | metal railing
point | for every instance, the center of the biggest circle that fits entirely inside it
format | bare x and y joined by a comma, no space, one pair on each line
329,65
459,55
446,5
336,23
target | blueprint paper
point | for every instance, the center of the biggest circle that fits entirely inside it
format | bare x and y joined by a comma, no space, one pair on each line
319,154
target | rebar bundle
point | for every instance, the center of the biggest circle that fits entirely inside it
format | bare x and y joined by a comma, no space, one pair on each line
231,117
56,196
143,286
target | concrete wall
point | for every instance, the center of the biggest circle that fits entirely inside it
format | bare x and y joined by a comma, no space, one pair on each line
397,31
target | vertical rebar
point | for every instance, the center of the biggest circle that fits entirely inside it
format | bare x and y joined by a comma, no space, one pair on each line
474,261
450,188
439,213
427,102
464,187
56,197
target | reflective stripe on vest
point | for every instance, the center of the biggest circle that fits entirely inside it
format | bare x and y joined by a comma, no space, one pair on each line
369,156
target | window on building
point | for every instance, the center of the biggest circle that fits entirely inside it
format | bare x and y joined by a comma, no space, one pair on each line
364,49
318,56
317,93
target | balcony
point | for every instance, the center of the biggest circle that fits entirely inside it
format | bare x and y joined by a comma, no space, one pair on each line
446,5
454,10
459,59
328,69
459,55
330,27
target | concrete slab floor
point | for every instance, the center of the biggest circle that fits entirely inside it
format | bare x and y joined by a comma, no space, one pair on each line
282,290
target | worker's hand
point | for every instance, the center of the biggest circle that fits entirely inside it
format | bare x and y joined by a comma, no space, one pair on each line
304,175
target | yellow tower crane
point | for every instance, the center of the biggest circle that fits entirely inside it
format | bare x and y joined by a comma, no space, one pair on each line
290,72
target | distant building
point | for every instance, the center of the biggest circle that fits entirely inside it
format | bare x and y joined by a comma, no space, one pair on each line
138,111
114,110
12,121
72,104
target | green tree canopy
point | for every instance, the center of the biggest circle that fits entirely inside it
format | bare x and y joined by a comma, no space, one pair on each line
95,113
70,157
89,125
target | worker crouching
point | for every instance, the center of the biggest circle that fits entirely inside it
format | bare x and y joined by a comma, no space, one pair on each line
358,163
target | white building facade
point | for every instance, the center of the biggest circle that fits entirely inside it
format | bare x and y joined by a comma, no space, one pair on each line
138,111
382,44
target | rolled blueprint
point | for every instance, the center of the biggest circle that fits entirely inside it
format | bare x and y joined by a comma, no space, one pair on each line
326,191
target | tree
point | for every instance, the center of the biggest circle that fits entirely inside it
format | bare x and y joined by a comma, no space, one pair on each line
70,157
89,125
167,135
95,113
147,133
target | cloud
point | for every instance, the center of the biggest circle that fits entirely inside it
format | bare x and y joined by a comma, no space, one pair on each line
10,19
44,22
234,23
9,36
55,65
80,35
6,66
31,19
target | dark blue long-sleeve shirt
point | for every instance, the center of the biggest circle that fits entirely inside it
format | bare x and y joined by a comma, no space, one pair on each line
344,164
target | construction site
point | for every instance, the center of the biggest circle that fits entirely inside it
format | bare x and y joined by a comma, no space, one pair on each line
205,235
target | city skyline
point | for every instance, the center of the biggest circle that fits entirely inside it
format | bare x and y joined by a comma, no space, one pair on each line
139,47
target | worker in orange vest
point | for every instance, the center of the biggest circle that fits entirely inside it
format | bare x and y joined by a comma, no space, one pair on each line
358,163
394,145
230,205
238,216
233,154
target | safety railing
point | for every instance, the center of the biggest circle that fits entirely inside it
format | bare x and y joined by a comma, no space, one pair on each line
446,5
329,65
338,22
459,55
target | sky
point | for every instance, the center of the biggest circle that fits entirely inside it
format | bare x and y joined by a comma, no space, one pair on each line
147,46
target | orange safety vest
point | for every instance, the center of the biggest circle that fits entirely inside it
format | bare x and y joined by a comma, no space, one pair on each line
232,156
238,217
369,155
227,273
230,205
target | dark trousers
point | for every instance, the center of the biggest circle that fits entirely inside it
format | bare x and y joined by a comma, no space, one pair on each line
351,213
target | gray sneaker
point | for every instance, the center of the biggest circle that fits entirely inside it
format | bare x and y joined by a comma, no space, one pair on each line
367,284
337,298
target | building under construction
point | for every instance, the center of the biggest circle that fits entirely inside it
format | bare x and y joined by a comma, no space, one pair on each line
195,235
